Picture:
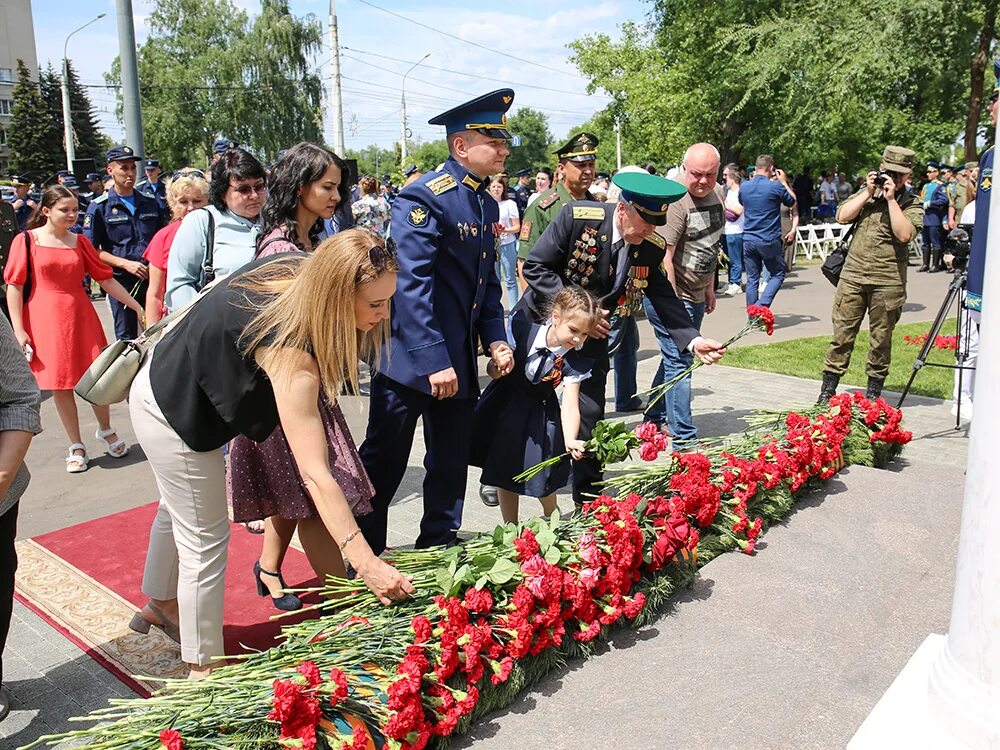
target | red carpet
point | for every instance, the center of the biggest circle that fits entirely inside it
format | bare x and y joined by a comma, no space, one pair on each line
85,581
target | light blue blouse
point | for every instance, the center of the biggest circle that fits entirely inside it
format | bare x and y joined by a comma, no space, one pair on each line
235,244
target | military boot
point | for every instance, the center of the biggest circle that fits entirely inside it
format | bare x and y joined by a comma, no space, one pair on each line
829,388
874,389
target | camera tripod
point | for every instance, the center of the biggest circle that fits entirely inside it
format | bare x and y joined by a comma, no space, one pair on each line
953,297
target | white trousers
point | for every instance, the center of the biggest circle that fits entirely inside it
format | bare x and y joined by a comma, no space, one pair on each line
969,346
189,539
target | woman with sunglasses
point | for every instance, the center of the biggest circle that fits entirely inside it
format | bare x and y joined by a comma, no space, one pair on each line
236,196
187,192
263,481
259,350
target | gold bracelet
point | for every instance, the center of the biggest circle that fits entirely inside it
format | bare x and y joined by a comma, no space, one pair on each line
350,536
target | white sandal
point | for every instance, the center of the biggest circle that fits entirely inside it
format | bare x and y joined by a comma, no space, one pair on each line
117,449
77,464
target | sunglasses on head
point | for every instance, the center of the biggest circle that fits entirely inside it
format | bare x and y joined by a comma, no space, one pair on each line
245,189
993,98
379,256
190,173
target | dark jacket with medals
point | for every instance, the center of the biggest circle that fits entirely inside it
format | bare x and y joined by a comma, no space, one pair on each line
577,248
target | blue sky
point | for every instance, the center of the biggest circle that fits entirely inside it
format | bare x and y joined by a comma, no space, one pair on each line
531,33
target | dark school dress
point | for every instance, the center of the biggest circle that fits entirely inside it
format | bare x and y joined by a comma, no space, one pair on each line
518,423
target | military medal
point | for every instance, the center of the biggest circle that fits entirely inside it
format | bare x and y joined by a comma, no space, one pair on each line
474,229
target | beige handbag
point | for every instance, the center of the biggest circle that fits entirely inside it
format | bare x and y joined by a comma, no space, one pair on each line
108,379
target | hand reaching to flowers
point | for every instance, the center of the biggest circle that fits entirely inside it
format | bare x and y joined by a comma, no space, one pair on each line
387,583
576,448
709,351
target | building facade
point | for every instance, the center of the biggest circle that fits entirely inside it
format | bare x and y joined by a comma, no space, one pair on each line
17,41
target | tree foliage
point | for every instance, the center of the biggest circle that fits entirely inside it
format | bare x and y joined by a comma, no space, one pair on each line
89,141
532,126
34,136
208,70
826,82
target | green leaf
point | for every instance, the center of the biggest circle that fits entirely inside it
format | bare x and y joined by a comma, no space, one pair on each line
480,582
502,571
553,554
546,537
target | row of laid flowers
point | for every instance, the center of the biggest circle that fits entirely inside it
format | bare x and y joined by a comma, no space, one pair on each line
494,614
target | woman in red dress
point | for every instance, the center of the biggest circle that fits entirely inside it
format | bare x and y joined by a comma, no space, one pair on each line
57,326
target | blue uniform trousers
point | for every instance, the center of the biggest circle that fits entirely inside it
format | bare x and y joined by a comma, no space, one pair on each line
126,321
392,421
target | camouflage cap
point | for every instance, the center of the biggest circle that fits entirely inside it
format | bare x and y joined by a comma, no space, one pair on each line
898,159
971,164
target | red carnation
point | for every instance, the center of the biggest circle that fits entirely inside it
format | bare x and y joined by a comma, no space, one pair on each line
311,672
762,315
648,451
359,741
422,629
340,686
478,600
526,544
170,739
647,431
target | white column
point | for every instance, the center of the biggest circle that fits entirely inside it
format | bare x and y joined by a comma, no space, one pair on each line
965,677
948,695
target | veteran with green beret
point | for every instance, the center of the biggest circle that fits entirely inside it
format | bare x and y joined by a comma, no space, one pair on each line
886,218
576,169
612,251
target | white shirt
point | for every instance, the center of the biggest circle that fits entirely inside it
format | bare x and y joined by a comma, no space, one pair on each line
732,202
538,347
968,213
829,191
508,215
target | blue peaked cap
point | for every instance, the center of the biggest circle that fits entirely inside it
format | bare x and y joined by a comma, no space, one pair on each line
486,113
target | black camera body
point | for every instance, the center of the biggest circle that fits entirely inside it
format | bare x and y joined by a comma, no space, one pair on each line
958,244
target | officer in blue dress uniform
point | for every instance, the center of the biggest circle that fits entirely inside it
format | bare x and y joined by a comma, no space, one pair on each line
984,191
120,224
221,146
153,186
612,251
94,183
447,303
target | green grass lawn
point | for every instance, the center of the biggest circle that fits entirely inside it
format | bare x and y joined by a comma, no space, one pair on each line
803,358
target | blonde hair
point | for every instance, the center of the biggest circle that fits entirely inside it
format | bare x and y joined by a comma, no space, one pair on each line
181,186
311,308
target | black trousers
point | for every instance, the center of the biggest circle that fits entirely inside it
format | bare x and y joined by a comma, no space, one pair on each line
392,422
8,564
587,471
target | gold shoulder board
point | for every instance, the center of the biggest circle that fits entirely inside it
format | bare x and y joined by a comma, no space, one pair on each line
441,184
657,240
588,212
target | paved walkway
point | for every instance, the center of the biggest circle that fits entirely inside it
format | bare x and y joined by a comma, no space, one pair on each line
52,680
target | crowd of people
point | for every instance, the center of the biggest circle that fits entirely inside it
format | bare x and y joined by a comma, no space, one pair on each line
284,280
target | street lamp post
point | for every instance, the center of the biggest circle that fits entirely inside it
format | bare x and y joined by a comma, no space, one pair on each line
402,131
67,117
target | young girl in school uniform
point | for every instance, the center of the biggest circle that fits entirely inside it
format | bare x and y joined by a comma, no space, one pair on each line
519,420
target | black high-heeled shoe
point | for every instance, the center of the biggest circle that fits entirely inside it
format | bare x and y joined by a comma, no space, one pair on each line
285,602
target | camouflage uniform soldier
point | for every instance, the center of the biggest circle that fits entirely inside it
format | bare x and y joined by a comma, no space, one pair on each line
576,159
874,276
959,197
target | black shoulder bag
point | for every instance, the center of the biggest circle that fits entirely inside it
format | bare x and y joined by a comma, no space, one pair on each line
207,265
26,289
834,263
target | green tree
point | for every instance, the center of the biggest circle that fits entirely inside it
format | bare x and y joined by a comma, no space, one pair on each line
207,70
532,127
827,83
429,154
34,137
374,161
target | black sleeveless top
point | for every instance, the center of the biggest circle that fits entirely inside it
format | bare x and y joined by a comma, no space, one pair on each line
208,390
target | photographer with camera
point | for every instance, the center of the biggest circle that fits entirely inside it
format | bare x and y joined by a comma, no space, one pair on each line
873,280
